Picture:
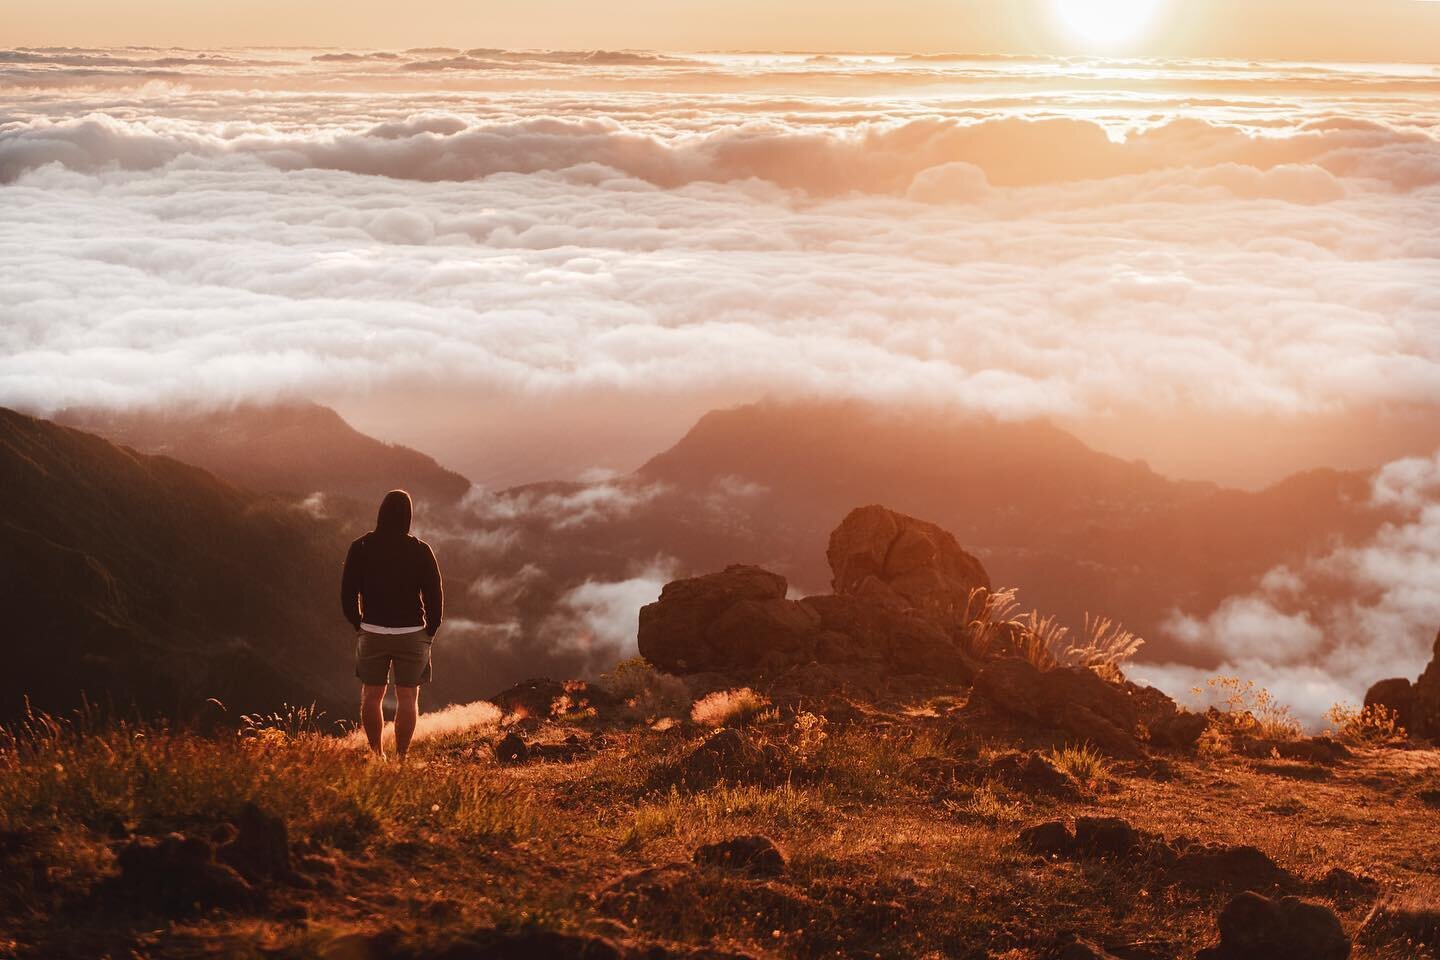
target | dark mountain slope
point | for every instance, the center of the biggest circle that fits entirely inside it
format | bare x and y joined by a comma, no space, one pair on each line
138,579
295,449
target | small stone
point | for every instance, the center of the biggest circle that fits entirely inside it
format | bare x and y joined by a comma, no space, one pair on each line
512,750
752,854
1051,839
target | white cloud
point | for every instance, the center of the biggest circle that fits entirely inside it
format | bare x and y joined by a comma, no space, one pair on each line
1224,238
1325,630
601,618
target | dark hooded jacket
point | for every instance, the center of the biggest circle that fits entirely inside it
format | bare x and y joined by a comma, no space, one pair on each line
391,579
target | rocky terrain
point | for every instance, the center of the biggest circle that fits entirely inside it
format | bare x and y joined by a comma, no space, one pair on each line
889,770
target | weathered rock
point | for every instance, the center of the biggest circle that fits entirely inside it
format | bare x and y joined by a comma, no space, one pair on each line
1033,773
737,619
1052,839
1307,749
544,699
260,849
1168,726
887,558
1425,700
1396,693
751,854
1253,927
1220,867
1106,837
179,874
1418,703
512,750
853,630
1412,916
1073,700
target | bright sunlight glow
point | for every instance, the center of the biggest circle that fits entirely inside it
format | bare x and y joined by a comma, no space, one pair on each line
1106,22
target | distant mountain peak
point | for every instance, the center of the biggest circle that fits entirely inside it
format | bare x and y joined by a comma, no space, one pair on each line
291,447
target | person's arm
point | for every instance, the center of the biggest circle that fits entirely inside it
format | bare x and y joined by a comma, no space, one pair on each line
432,590
350,587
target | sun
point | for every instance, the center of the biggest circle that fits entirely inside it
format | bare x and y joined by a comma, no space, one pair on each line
1107,22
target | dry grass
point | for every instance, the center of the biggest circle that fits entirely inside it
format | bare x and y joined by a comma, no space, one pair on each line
652,695
1088,766
1245,710
990,620
881,864
728,708
1374,725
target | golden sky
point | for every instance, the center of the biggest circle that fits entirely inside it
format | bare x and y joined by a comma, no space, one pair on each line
1293,29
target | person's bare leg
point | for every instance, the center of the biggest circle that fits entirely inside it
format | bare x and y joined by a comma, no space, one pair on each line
407,712
372,715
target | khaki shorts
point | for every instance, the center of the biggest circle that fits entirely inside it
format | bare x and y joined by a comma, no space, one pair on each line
406,656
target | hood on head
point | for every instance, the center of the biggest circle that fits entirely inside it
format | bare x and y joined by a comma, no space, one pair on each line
394,516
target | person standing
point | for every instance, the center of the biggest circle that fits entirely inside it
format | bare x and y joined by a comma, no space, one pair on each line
392,595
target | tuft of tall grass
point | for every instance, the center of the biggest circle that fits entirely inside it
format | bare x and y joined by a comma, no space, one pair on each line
1103,647
1086,765
990,620
728,708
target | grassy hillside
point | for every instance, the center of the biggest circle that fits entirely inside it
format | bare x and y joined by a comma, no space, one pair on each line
128,578
898,820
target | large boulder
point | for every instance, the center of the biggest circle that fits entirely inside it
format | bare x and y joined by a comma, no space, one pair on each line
737,619
718,623
1397,694
1418,703
1075,701
887,558
1253,927
854,631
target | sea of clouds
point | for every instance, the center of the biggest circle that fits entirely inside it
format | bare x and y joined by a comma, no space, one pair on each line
1015,236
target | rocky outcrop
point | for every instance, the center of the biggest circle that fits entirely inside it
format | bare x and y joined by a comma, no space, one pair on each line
1418,703
1116,718
1072,700
733,620
1253,927
899,584
853,631
1183,862
892,560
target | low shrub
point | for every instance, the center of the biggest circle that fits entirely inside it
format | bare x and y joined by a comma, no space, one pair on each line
728,708
1374,725
648,693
